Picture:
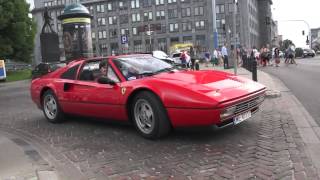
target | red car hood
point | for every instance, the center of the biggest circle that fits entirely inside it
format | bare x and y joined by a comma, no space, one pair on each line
216,84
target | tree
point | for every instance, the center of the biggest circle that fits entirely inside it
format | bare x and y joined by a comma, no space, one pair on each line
285,44
17,30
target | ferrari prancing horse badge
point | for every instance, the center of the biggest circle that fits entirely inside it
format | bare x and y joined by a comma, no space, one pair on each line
123,90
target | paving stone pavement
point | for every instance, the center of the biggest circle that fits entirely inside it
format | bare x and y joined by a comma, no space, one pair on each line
267,146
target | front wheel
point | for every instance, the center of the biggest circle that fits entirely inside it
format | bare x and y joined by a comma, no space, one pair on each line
51,108
149,116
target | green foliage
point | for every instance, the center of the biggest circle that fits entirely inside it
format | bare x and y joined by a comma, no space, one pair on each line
17,30
18,75
299,52
285,44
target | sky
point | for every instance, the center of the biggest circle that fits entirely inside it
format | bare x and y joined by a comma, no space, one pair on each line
284,10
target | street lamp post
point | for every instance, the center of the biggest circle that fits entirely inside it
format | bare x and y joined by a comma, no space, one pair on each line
234,26
215,32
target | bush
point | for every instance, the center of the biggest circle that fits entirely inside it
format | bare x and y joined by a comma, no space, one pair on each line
299,52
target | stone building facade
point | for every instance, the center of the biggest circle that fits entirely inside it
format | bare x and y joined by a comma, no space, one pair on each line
158,24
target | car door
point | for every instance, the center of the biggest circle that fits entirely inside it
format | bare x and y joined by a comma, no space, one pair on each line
89,98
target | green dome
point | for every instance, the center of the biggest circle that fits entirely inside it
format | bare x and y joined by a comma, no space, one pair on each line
75,10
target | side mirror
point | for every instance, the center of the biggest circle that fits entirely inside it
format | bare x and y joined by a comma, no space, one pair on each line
105,80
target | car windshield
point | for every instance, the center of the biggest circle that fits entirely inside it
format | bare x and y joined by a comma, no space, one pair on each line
137,66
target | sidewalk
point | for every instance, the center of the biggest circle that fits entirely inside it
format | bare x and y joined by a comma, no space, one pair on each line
286,103
19,160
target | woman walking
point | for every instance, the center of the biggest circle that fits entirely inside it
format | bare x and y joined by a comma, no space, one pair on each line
277,56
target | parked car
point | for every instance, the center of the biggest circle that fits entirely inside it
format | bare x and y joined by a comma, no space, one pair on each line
155,98
163,56
44,68
176,57
308,53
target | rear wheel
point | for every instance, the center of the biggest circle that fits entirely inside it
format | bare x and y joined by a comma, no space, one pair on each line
51,108
149,116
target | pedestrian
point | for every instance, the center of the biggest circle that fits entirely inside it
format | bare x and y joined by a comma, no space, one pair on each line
183,59
215,60
277,56
192,56
207,58
292,53
225,56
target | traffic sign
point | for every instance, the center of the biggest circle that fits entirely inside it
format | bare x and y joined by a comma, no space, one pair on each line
124,39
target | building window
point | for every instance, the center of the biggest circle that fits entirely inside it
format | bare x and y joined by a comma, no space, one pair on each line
137,46
114,48
124,31
187,39
186,12
160,15
201,43
219,9
102,34
147,16
198,11
135,4
174,27
172,13
186,26
147,3
136,17
230,7
124,19
185,1
100,8
112,20
134,31
109,6
113,33
199,25
123,5
159,2
101,21
93,35
162,44
172,1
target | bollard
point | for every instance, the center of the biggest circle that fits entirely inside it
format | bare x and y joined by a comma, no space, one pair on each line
254,71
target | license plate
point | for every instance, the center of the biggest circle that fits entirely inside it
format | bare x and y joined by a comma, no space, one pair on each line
238,119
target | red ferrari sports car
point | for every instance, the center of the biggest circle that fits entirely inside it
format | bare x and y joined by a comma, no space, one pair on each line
149,92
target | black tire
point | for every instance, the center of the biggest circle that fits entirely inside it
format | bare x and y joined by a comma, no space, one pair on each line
160,122
58,116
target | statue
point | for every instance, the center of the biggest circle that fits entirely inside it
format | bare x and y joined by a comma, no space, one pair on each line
47,20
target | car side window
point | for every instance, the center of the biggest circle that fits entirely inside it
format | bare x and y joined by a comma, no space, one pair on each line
90,71
70,73
111,75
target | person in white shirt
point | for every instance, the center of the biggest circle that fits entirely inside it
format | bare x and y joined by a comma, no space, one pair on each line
225,56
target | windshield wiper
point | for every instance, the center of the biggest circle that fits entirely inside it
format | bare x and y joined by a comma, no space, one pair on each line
166,70
147,73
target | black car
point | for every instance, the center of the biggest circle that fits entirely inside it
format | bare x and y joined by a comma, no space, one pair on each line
44,68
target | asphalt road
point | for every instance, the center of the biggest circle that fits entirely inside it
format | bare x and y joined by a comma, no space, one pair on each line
304,82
